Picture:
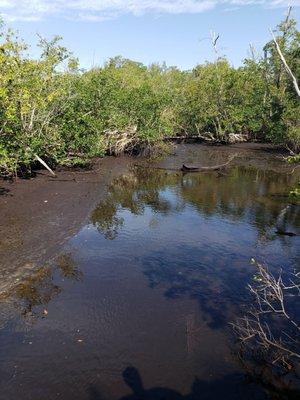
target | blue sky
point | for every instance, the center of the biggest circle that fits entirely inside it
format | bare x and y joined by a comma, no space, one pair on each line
174,31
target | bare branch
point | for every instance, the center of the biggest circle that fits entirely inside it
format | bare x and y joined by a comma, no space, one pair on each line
269,325
44,164
214,39
287,68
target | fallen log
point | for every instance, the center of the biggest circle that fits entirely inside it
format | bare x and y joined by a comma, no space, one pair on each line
186,168
286,233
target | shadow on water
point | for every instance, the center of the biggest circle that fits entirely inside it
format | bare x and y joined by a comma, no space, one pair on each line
230,387
199,389
245,194
217,289
206,229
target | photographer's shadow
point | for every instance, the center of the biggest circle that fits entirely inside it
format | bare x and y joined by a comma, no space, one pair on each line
230,387
133,379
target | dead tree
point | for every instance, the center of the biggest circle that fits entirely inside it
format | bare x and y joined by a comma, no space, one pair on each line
282,58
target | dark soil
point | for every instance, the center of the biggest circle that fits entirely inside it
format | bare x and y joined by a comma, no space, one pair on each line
38,215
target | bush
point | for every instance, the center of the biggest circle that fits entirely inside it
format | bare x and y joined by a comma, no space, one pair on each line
50,108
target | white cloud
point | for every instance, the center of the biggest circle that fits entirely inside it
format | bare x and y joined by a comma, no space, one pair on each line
98,10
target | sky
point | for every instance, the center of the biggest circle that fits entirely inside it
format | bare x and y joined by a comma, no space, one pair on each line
173,31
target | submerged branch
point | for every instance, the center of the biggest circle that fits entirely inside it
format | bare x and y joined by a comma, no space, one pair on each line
270,328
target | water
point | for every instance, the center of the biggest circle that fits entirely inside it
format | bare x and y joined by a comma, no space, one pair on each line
141,298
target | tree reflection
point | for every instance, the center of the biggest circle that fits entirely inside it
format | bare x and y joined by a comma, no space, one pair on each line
213,282
104,217
133,192
245,193
35,292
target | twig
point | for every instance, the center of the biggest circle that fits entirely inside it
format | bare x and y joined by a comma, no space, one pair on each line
256,330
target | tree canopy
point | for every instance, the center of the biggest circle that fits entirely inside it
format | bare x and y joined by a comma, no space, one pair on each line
51,108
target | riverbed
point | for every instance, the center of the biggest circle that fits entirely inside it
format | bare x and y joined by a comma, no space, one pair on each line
121,282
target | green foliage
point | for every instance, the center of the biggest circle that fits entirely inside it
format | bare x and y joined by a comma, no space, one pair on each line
294,159
50,108
295,192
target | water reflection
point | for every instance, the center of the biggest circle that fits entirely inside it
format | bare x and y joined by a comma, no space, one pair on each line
161,281
212,269
134,192
216,285
104,217
245,193
35,292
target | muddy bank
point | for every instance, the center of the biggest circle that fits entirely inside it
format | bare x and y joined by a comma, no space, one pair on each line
37,216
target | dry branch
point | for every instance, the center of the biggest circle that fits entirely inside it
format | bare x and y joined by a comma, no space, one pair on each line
286,66
270,326
44,164
118,142
186,168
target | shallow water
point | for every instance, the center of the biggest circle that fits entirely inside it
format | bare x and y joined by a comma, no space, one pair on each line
141,298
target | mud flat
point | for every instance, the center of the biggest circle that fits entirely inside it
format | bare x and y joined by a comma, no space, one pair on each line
38,215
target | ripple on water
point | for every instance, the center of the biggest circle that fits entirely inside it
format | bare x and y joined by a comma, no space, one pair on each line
151,283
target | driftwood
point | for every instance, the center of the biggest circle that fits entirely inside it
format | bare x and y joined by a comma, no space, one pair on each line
208,138
40,160
286,233
190,137
186,168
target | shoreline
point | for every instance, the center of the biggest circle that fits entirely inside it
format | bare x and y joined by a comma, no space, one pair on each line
40,214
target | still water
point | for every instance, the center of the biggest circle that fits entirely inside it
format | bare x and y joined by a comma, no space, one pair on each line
138,303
